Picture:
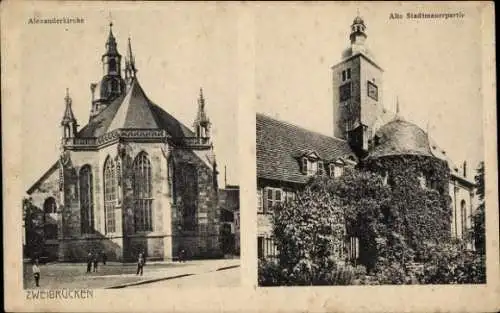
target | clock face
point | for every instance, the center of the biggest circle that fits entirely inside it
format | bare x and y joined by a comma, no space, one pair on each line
372,91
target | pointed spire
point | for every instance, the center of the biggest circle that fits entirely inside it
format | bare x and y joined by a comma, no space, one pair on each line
201,122
68,117
397,105
130,69
111,42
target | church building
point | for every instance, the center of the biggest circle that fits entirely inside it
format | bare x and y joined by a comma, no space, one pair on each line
288,155
133,179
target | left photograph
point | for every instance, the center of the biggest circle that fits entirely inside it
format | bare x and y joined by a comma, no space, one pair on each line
129,153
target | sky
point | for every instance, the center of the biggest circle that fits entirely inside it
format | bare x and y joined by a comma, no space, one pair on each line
432,66
177,48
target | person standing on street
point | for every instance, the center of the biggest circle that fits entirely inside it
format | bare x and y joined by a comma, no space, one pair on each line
36,273
96,261
104,258
89,262
140,263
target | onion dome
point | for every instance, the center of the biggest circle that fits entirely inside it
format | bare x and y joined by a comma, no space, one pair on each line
400,137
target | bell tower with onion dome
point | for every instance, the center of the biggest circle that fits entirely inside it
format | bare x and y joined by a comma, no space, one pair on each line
357,91
112,85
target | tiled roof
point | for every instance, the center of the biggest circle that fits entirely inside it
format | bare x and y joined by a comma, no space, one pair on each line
134,111
279,143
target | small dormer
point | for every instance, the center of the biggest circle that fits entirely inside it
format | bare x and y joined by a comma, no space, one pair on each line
336,168
311,163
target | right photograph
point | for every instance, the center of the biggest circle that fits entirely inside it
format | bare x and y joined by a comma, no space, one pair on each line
369,146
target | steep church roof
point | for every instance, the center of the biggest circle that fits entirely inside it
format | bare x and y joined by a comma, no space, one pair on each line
279,143
134,111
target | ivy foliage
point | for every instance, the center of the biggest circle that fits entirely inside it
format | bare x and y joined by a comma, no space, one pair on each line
479,229
398,207
309,233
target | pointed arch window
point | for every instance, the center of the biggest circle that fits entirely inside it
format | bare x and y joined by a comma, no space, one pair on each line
86,200
463,213
143,196
109,195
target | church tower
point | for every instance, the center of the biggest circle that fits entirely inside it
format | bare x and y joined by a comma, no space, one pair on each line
68,123
357,91
112,84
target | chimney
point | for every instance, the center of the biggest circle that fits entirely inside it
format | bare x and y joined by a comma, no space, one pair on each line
465,168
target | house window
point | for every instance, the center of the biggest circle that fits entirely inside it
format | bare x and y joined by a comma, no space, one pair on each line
312,167
259,201
260,247
289,196
143,197
86,200
109,195
273,197
304,165
321,168
372,91
348,73
345,92
344,76
336,170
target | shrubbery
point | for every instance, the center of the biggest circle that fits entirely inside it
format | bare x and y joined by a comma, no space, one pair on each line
403,229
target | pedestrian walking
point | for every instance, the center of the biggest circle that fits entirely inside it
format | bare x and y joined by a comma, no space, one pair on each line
36,273
140,263
95,261
89,262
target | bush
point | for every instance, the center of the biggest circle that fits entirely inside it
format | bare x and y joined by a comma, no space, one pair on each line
270,274
451,264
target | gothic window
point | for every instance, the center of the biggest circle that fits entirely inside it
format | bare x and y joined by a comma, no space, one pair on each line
143,196
189,187
109,195
345,91
463,211
170,181
86,200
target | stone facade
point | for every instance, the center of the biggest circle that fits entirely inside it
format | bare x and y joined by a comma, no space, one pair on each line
134,179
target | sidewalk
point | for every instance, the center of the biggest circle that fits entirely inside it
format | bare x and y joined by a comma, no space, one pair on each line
190,268
117,275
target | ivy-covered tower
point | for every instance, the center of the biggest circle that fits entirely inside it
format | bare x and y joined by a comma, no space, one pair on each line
357,91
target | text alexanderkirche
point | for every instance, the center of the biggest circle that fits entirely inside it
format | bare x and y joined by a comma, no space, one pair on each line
56,20
422,15
40,294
